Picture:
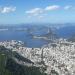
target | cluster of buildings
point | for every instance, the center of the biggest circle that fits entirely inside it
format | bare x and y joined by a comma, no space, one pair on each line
58,56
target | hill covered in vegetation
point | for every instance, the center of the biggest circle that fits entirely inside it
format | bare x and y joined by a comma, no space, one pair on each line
9,67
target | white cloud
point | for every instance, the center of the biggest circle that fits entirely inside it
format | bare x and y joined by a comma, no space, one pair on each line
53,7
41,16
68,7
41,11
35,11
7,9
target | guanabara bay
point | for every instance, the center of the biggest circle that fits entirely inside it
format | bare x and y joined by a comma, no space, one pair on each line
37,37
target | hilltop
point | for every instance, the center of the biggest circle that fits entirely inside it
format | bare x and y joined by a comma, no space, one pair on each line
9,66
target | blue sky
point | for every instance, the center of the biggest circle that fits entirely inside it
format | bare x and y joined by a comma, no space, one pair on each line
37,11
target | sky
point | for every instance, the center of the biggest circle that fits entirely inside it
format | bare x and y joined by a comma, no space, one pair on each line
37,11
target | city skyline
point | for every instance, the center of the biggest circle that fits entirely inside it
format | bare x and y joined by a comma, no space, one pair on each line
41,11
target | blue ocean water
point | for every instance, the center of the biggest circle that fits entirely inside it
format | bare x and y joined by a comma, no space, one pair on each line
27,38
22,36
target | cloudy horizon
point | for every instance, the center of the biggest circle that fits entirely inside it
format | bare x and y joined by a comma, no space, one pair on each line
48,11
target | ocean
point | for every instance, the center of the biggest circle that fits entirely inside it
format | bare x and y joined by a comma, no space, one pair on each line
22,36
27,38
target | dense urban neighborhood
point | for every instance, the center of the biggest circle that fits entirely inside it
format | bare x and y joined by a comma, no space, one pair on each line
58,56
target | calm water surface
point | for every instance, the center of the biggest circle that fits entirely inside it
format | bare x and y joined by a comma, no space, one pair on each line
22,36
